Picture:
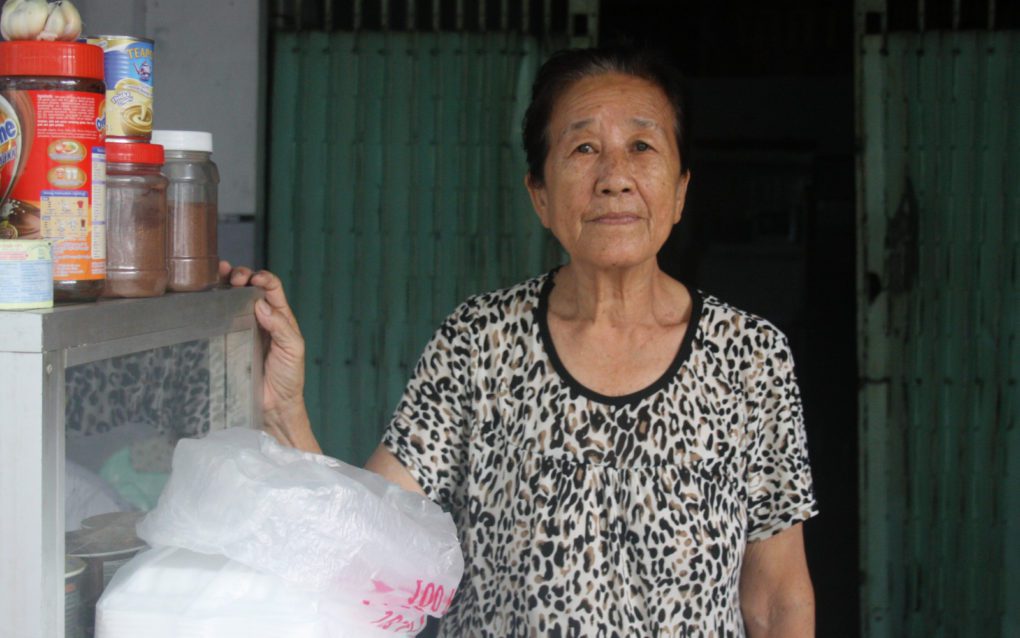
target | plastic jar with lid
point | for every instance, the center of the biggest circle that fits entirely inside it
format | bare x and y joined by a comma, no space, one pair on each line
52,163
136,263
191,199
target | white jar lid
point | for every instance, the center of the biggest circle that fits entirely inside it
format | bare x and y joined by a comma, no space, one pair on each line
184,140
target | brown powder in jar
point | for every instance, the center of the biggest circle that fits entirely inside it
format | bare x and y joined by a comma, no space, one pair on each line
194,264
136,246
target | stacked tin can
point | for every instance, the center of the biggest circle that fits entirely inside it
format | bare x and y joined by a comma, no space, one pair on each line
128,66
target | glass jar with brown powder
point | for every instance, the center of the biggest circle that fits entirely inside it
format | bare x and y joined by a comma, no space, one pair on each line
194,178
136,256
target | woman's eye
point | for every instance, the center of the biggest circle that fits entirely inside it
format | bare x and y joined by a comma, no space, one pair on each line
585,148
642,146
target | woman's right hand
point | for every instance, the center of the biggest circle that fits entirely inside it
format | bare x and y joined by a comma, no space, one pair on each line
283,403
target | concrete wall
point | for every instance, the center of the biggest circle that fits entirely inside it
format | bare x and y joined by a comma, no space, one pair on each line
207,77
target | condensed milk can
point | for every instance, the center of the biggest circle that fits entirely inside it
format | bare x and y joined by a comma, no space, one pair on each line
128,63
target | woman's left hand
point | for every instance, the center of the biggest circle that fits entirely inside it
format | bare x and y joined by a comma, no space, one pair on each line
283,403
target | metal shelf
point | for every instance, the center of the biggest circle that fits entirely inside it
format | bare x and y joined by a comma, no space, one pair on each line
36,349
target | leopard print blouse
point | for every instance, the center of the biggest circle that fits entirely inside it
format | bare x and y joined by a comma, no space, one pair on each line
588,515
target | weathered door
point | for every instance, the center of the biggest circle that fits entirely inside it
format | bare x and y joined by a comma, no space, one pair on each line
939,321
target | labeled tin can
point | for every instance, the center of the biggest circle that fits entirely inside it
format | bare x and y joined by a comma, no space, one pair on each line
129,72
104,551
53,158
26,274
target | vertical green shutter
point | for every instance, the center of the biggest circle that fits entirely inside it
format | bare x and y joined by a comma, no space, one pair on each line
395,192
940,238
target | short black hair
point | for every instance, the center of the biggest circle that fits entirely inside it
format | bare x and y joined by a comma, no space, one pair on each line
564,68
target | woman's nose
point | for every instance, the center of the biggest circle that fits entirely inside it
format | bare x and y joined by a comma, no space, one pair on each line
614,174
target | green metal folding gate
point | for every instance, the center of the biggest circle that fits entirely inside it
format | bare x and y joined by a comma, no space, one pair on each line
396,190
939,317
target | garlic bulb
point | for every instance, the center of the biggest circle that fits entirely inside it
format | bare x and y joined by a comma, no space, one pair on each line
23,19
64,22
40,20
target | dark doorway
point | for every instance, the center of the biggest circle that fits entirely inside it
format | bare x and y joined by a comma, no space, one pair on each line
769,224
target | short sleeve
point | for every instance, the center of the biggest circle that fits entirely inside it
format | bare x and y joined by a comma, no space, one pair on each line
428,431
780,490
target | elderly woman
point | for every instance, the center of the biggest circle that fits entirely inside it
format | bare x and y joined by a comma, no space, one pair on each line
623,455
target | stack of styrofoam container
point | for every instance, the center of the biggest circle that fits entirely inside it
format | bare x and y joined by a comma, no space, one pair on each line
170,592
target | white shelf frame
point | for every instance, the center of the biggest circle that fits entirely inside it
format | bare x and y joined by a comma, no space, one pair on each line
36,348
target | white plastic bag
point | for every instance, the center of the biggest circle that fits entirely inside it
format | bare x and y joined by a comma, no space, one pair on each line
320,524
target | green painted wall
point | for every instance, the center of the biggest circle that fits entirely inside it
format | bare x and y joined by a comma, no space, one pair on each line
396,190
939,312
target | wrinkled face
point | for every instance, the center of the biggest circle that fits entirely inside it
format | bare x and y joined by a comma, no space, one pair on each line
613,188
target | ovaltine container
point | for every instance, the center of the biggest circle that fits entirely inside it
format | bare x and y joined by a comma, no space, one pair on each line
52,158
129,73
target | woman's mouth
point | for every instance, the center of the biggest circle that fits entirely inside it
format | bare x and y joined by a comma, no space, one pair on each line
616,218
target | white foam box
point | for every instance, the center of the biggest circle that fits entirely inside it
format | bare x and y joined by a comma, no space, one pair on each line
169,592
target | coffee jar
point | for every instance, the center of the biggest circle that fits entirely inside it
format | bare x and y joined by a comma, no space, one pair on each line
191,199
136,205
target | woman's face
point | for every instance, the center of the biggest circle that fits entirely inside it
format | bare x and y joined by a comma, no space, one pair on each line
613,188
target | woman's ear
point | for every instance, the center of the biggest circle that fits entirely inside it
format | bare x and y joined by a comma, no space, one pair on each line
681,195
539,198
